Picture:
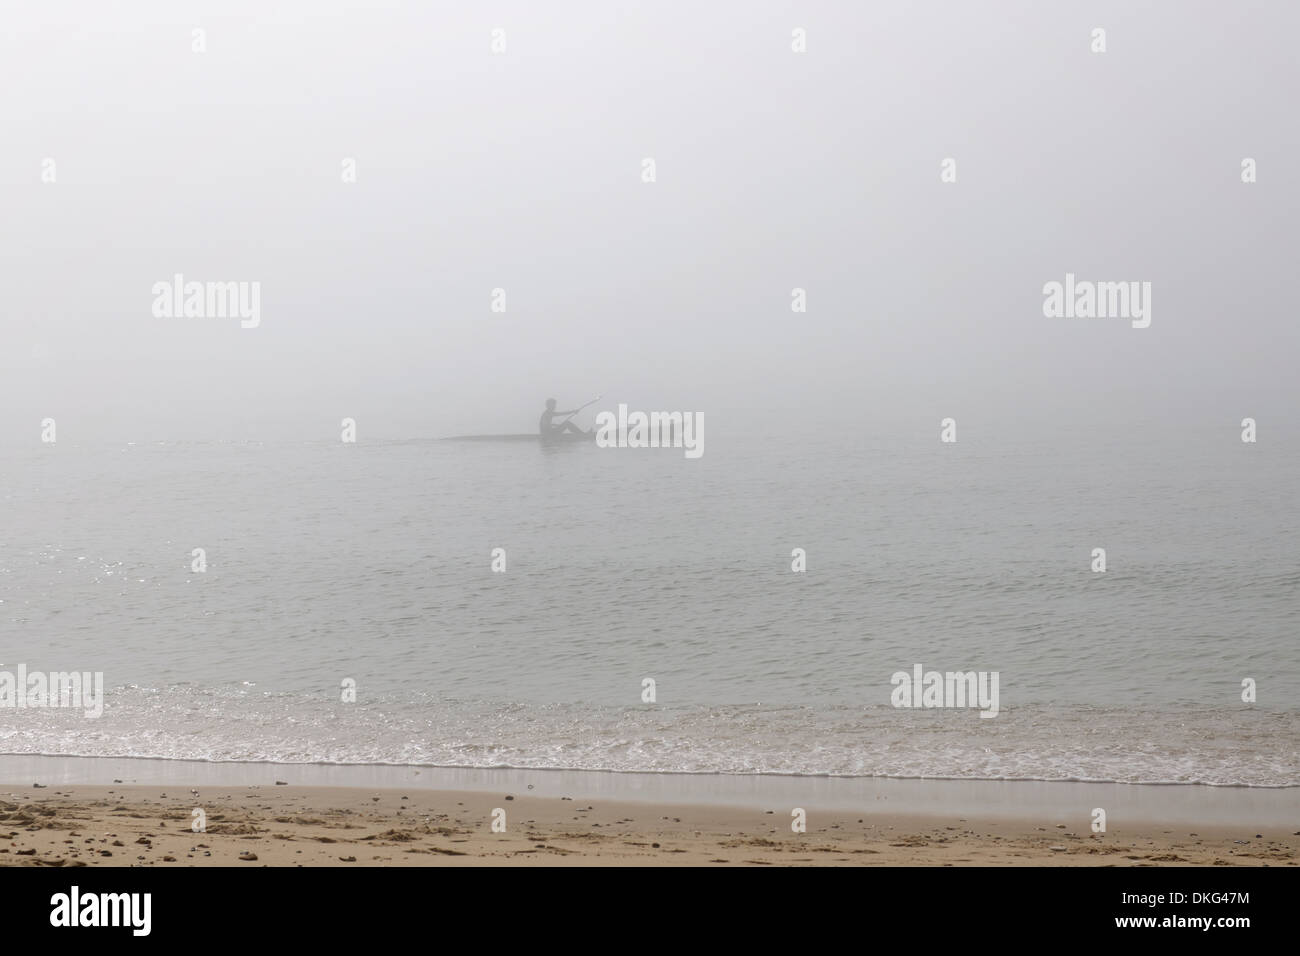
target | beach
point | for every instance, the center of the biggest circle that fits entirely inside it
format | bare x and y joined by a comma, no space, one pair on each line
309,826
435,818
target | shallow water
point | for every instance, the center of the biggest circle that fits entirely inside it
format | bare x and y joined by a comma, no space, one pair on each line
371,562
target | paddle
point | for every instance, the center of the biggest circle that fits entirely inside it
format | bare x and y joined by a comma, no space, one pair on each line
580,408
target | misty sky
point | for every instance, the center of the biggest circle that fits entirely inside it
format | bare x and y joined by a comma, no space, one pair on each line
523,171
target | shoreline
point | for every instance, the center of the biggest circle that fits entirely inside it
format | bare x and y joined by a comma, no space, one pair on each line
1071,802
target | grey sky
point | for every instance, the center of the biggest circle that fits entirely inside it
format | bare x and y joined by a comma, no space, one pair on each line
523,171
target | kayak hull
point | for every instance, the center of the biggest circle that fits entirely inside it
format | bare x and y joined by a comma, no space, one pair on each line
567,438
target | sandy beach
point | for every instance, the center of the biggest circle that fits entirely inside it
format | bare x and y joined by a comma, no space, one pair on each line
148,825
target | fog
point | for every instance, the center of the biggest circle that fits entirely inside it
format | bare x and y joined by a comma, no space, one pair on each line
523,170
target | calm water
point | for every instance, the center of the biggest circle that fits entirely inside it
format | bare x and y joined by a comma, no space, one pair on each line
371,562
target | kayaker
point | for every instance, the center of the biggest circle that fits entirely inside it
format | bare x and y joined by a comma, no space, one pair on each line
546,426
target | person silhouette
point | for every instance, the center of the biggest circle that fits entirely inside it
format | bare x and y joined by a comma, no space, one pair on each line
547,428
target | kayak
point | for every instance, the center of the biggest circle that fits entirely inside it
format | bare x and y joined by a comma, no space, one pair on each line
563,438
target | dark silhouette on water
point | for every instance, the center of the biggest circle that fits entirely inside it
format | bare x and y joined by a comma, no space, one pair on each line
548,431
546,427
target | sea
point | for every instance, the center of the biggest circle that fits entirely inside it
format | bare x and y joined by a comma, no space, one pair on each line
642,613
